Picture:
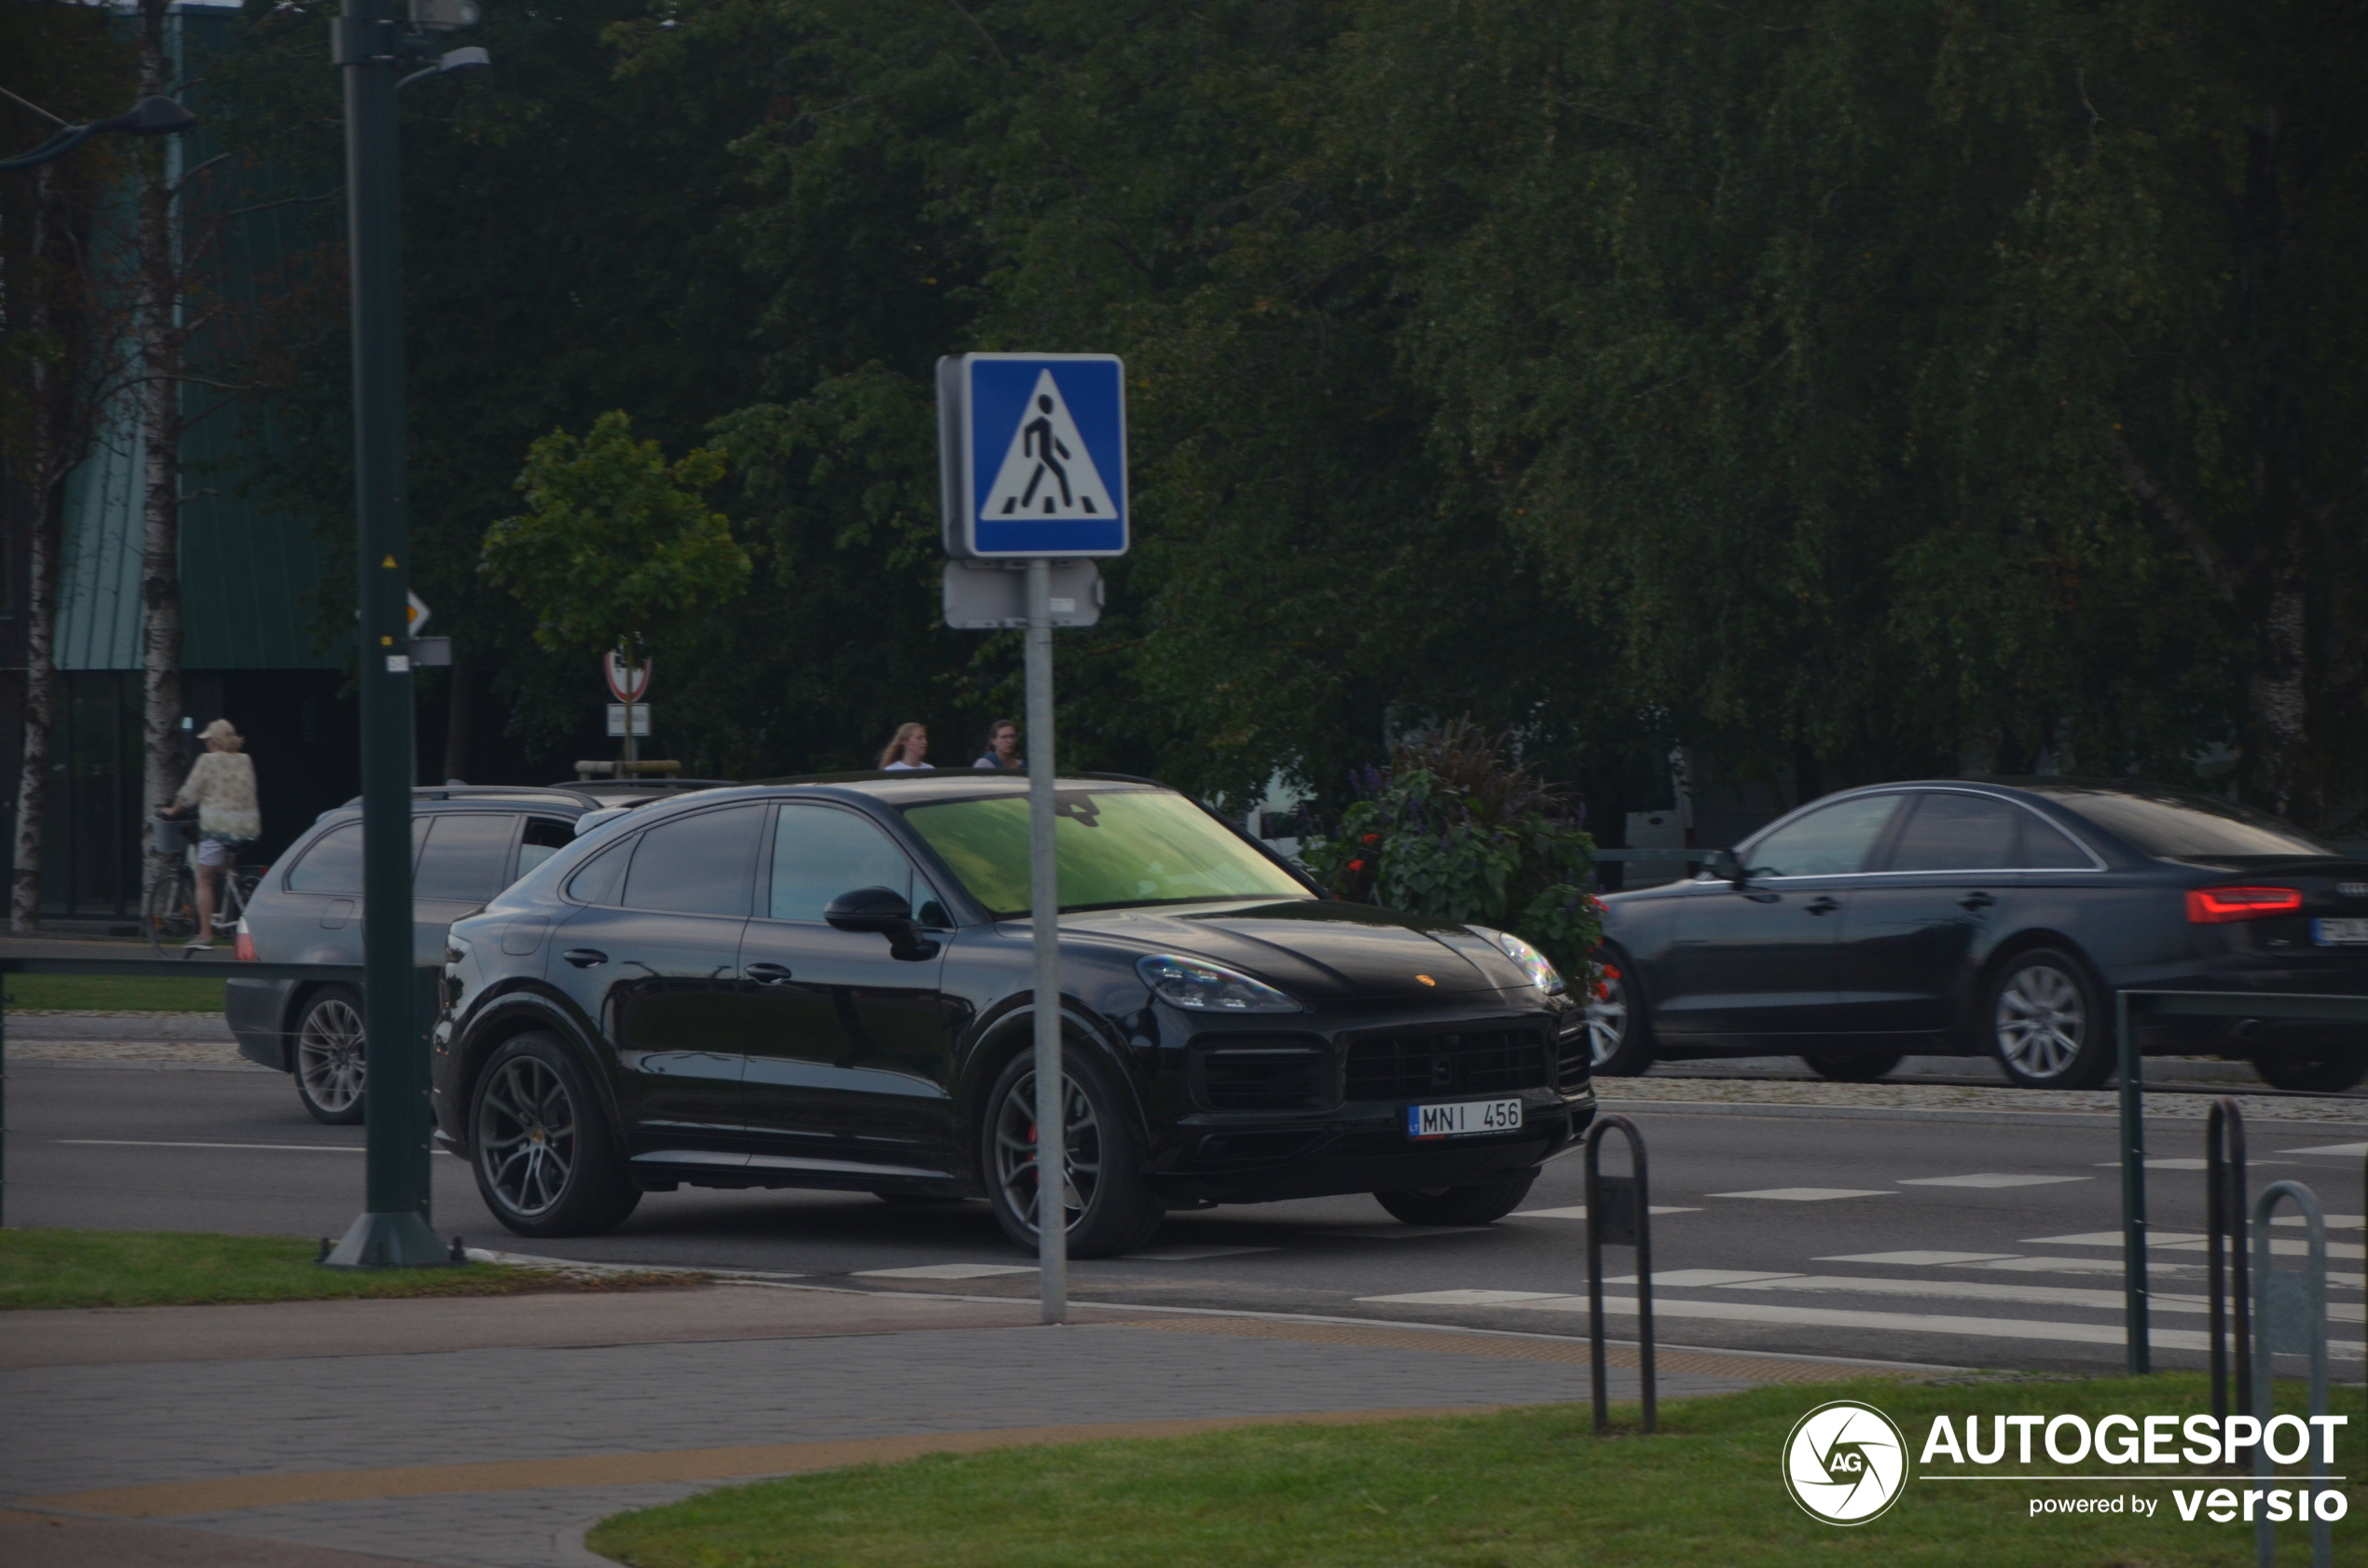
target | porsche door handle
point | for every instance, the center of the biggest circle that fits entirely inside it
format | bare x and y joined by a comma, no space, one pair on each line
584,957
1976,901
1821,906
767,974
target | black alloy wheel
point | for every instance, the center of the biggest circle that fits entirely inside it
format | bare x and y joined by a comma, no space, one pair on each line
540,1146
2045,1022
1852,1066
1620,1037
1110,1208
327,1058
2312,1067
1482,1204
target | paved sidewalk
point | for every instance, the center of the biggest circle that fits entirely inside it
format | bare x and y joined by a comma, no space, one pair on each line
493,1432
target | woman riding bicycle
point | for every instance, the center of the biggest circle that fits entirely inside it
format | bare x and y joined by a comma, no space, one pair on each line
221,788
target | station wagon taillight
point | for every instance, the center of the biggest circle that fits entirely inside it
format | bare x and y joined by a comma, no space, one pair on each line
244,951
2218,906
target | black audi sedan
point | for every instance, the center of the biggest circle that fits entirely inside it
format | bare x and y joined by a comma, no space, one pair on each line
1979,918
827,984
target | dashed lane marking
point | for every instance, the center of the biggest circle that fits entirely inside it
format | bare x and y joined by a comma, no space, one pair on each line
1989,1178
2182,1241
1465,1297
2352,1150
1682,1278
1578,1211
1193,1254
1916,1257
947,1270
1808,1194
2334,1221
2183,1162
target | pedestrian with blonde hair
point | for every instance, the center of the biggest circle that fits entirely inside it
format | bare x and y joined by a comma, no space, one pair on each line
221,790
905,751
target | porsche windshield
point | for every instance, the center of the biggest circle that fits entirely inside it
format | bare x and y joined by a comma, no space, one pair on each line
1114,847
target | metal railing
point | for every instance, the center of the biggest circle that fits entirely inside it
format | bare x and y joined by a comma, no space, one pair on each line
1618,1214
2129,1007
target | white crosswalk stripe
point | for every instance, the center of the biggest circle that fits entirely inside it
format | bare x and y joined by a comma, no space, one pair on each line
1808,1194
1989,1178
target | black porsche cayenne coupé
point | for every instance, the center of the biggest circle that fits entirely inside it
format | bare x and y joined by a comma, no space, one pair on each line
1970,917
826,984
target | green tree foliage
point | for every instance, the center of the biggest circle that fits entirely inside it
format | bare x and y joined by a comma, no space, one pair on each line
616,548
1853,388
1455,833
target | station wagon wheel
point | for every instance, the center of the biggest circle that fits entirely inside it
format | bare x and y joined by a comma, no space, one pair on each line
540,1145
2044,1023
1106,1202
329,1064
1620,1039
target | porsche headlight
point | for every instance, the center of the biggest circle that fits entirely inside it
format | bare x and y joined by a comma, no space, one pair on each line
1534,964
1203,987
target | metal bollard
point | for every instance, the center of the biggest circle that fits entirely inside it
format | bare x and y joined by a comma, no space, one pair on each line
2224,1209
1620,1213
2292,1318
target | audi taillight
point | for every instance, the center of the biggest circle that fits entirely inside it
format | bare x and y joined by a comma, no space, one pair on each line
2218,906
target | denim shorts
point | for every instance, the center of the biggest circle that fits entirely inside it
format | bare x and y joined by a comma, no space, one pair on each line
217,852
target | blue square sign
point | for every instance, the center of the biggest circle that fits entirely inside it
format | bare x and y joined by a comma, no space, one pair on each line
1032,454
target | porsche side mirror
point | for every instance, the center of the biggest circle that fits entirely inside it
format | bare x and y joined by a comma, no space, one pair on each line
883,911
1724,864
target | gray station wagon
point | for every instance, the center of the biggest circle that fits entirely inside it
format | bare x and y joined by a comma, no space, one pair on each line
468,843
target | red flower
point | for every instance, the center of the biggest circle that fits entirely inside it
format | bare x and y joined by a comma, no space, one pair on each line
1357,865
1372,838
1611,971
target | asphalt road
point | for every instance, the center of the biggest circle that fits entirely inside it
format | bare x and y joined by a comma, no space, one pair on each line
1807,1233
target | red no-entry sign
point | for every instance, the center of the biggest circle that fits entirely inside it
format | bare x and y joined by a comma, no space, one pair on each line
626,685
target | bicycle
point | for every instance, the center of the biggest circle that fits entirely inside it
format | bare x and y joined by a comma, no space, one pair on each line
170,918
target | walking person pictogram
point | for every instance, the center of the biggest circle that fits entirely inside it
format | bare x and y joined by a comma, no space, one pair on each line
1037,441
1047,471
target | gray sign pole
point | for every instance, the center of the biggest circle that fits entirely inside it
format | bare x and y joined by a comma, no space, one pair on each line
1044,906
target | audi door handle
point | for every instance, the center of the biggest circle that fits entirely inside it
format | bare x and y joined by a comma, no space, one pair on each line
584,957
768,974
1975,900
1821,906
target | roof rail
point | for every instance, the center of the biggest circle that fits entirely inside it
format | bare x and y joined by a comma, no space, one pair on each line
567,792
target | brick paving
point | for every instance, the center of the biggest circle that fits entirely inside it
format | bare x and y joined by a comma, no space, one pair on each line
267,1429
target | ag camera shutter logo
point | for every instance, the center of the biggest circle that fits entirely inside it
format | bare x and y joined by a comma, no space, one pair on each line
1845,1463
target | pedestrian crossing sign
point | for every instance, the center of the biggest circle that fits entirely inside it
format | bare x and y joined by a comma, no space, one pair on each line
1032,452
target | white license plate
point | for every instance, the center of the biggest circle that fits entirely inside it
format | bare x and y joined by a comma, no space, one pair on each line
1461,1120
2338,933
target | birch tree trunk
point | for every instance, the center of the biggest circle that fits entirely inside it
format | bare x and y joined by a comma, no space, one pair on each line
51,462
159,403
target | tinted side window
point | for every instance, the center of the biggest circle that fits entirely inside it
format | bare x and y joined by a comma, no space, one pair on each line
466,855
1831,841
2045,849
331,865
545,837
695,865
820,853
596,881
1956,833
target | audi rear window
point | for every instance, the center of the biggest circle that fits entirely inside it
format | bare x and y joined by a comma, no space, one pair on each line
2178,826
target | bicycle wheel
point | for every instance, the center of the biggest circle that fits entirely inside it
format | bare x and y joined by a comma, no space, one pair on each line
171,917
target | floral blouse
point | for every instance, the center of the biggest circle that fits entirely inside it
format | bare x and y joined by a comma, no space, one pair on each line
222,787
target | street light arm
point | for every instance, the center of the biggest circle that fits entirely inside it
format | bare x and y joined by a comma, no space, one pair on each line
57,146
150,116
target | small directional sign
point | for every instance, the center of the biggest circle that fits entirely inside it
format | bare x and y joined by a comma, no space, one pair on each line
1032,451
992,596
415,614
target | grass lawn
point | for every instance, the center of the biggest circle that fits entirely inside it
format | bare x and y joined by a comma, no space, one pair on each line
1528,1487
95,993
172,1268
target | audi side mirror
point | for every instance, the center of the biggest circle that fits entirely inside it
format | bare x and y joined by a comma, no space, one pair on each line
884,911
1726,863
